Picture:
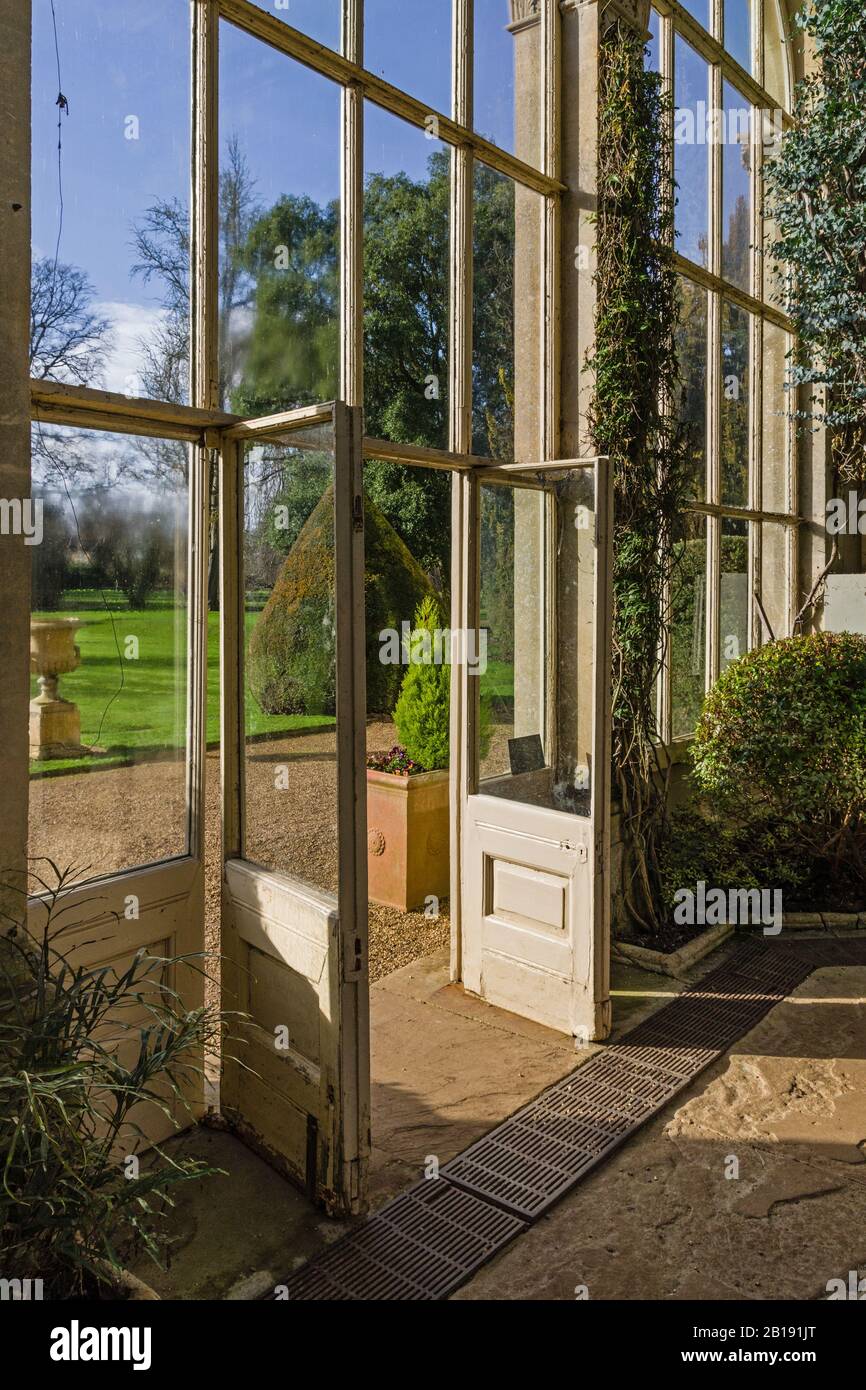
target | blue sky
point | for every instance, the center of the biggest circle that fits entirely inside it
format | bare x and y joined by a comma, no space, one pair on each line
126,60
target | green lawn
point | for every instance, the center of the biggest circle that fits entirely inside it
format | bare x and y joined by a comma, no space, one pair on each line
137,708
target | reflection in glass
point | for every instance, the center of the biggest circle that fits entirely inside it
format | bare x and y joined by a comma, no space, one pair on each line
406,259
653,47
688,627
691,343
776,65
691,151
279,281
776,420
734,592
774,577
506,315
108,650
737,190
736,379
529,751
110,225
290,663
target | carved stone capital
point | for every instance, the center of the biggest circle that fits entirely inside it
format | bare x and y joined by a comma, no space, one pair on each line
524,14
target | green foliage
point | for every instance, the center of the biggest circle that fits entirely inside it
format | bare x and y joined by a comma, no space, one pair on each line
422,713
291,663
751,851
68,1103
816,186
635,367
784,732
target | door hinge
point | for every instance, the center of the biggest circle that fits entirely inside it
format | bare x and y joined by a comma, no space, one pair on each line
358,512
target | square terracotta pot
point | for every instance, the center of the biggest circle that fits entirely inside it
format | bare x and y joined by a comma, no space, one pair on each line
407,838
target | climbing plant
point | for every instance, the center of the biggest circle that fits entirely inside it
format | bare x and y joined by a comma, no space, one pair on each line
634,419
816,196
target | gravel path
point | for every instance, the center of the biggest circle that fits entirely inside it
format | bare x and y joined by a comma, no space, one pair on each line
103,821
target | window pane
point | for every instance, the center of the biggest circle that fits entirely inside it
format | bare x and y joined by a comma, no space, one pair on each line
110,213
290,665
653,48
688,657
108,651
776,67
279,230
700,9
691,151
692,353
775,571
734,592
737,236
776,422
507,93
320,19
736,377
409,44
507,320
738,31
406,258
521,756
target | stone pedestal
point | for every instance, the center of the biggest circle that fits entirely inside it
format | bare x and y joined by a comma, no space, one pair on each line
55,723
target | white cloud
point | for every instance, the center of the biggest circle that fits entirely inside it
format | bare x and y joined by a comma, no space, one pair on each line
130,323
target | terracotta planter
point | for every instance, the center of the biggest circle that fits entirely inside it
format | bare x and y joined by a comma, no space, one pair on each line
407,838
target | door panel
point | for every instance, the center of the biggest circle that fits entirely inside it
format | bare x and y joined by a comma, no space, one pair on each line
295,1081
535,816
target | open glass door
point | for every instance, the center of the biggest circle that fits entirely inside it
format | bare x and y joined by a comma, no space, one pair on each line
535,813
295,1083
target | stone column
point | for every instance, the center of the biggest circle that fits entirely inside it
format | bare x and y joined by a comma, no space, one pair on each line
15,556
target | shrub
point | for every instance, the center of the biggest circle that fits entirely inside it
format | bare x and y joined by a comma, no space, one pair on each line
422,712
291,651
783,733
70,1211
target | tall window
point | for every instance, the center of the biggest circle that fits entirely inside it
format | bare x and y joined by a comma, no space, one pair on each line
727,66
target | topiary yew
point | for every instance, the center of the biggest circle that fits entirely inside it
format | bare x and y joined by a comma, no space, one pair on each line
292,650
784,731
423,709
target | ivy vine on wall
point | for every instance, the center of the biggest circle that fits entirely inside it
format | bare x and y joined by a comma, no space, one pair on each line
633,418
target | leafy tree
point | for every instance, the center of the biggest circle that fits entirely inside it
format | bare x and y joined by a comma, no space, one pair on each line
817,198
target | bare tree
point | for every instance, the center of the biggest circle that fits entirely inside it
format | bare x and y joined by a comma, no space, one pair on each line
68,340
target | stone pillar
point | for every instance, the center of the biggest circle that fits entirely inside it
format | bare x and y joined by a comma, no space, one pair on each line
15,556
529,563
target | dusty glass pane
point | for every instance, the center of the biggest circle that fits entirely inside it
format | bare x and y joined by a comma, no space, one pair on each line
688,631
290,658
110,220
691,341
738,31
775,580
776,422
108,650
279,284
736,388
737,235
320,19
691,152
406,259
734,592
508,79
409,44
528,750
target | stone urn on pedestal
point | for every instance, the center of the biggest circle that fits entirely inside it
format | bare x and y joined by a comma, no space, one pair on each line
55,724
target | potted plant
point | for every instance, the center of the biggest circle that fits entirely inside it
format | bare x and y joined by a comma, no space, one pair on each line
76,1201
408,787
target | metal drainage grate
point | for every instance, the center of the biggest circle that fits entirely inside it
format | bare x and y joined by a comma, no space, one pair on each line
421,1246
431,1239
